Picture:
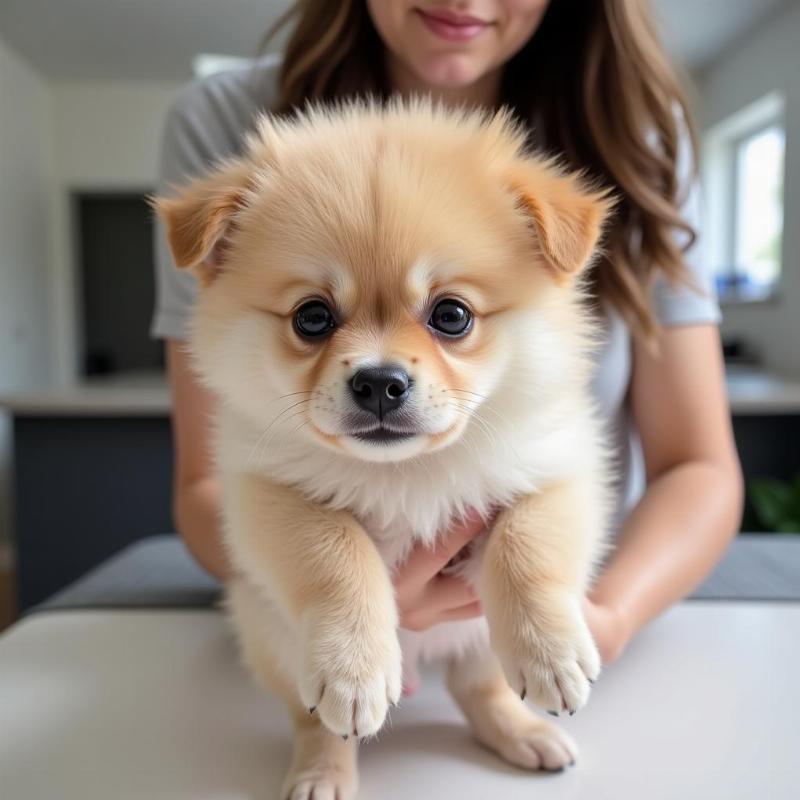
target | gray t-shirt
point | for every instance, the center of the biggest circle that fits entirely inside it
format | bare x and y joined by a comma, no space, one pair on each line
208,122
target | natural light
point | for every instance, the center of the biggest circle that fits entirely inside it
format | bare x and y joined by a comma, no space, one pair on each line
759,207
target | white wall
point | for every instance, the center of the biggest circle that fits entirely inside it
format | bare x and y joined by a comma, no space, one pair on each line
56,138
26,180
767,60
109,131
106,136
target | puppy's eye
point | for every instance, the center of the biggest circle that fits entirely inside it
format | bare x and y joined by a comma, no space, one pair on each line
451,317
314,319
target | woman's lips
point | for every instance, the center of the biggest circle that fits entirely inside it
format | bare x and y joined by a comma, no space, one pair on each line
452,26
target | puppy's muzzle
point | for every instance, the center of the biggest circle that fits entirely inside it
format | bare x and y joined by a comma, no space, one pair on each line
380,390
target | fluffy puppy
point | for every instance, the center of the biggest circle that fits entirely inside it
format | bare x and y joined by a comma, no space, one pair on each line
390,314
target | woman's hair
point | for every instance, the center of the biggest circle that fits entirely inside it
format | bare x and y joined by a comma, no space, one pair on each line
597,88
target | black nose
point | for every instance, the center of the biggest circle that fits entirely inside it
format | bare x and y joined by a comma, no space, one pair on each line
380,389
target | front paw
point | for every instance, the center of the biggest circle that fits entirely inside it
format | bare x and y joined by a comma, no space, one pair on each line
548,654
350,678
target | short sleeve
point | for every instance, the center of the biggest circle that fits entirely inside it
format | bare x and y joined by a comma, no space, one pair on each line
207,122
182,156
682,304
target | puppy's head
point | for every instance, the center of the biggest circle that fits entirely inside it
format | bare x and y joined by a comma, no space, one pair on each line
368,275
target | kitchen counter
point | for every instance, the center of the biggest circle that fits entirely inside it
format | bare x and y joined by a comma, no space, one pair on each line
147,395
751,392
754,392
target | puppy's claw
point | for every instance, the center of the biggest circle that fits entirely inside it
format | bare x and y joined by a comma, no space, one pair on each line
312,709
523,694
553,713
345,736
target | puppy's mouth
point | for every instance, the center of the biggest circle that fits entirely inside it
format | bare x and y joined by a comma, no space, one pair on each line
381,435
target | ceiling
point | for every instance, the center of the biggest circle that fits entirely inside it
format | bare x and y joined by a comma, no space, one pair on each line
132,39
698,31
156,39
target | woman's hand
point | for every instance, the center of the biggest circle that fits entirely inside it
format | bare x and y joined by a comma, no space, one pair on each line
608,630
426,598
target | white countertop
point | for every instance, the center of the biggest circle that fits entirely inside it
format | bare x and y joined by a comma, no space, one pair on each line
132,395
754,392
750,392
154,706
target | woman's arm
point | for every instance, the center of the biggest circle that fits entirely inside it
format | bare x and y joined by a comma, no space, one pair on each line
196,501
691,509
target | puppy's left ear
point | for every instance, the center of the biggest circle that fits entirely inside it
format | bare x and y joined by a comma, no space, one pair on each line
566,216
199,219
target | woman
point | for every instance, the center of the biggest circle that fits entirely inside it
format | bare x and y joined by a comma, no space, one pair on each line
595,87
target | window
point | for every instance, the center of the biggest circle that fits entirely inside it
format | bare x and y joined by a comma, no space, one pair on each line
758,221
743,177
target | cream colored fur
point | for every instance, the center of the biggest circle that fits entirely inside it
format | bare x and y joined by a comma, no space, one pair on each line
380,210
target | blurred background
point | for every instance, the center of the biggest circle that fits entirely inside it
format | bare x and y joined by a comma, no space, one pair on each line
84,87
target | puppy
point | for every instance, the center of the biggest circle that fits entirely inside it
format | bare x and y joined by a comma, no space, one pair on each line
390,313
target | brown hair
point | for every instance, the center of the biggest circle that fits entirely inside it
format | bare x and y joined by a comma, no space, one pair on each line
597,88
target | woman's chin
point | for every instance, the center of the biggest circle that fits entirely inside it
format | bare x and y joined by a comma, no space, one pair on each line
450,72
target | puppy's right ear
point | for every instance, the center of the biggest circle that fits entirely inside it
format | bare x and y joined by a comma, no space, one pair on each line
199,219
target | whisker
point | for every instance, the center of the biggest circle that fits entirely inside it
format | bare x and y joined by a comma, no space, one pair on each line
469,391
257,448
293,394
486,406
301,425
468,437
471,414
505,438
295,415
487,427
468,440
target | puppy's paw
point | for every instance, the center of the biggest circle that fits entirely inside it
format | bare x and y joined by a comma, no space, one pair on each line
537,745
316,787
549,655
350,680
323,766
526,741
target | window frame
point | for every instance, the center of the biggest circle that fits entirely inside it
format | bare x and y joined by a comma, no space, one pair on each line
721,187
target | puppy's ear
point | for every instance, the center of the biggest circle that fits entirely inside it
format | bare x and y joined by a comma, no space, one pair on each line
566,216
199,219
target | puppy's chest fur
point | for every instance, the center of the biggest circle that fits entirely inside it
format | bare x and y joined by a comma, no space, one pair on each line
400,504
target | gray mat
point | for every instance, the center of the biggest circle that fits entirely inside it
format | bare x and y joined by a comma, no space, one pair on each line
159,573
757,566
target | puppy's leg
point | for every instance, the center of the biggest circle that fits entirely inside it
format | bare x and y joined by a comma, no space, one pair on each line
535,572
323,764
500,720
327,578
